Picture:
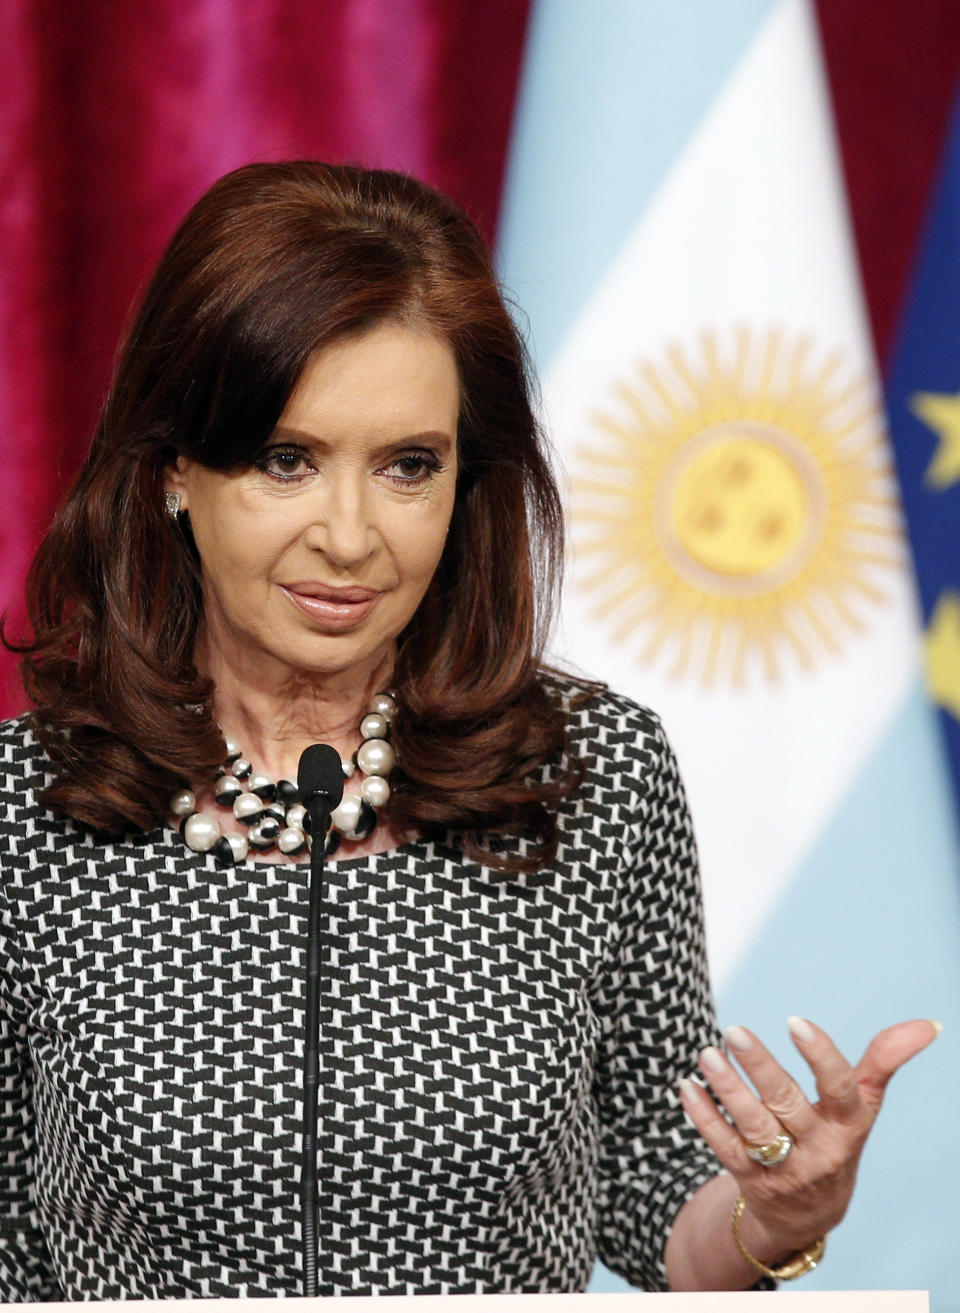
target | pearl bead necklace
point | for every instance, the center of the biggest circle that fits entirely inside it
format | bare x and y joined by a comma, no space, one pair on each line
273,812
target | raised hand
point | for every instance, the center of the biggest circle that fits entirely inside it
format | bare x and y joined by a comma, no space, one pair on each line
794,1201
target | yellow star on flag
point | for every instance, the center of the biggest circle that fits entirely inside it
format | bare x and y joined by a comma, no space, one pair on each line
942,646
940,411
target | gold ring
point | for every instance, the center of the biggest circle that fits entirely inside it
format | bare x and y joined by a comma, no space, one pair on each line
773,1152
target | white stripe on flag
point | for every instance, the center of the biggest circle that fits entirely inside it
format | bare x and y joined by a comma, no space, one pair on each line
748,232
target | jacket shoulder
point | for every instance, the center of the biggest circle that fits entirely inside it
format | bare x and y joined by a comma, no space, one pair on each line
596,712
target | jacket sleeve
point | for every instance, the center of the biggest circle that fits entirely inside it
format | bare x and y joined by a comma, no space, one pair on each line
656,1015
26,1271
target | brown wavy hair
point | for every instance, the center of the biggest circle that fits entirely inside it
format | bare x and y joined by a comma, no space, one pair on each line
275,262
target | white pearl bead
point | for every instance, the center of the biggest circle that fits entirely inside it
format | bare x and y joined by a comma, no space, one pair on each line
374,727
247,807
183,803
348,769
295,815
233,748
375,790
238,843
376,757
201,832
257,839
384,705
346,815
258,781
290,840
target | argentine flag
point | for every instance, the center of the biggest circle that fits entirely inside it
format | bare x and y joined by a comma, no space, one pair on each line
675,231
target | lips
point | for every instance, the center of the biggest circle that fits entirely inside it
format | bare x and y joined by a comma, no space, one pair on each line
333,610
328,593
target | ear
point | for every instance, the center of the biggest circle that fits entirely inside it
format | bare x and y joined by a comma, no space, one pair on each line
175,479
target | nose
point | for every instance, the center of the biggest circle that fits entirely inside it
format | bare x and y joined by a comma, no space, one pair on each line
342,522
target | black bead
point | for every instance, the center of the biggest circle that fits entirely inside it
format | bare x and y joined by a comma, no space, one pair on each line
366,822
223,852
269,827
265,791
276,810
288,793
332,844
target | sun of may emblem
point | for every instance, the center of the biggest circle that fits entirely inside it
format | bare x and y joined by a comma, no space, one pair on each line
734,510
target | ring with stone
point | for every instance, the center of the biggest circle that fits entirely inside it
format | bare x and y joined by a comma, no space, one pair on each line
773,1152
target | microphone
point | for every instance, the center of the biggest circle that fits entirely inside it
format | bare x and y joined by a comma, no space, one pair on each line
320,784
320,777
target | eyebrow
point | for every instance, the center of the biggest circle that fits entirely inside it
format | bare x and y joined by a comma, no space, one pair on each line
301,436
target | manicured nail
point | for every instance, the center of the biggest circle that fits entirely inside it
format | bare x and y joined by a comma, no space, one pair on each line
690,1089
801,1030
713,1060
737,1038
937,1025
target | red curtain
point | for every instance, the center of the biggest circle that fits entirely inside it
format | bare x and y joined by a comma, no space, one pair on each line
118,115
894,69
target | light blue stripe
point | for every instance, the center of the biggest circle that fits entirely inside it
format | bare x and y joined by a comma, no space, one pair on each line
610,93
869,934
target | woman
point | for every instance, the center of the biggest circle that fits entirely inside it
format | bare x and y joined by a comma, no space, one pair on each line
317,509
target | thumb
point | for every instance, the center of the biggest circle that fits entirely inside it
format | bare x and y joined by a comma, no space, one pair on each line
887,1052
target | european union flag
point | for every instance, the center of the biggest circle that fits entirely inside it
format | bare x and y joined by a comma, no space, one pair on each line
923,400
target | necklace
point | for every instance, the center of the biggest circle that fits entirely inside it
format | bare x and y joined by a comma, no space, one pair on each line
272,811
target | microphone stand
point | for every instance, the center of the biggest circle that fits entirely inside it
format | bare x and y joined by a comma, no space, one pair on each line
319,811
320,782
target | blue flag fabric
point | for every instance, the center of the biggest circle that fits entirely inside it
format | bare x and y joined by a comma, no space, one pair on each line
923,401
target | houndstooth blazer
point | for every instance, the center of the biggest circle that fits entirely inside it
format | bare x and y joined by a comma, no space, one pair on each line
500,1058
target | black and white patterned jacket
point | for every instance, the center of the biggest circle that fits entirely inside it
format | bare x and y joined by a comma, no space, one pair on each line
501,1054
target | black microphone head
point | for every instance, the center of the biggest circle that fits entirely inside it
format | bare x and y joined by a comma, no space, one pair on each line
320,771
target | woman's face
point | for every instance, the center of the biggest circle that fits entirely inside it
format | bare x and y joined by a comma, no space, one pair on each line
317,555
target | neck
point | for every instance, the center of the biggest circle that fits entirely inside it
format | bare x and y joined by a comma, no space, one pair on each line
274,712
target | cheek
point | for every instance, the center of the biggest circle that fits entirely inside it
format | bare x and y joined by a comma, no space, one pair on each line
424,548
233,550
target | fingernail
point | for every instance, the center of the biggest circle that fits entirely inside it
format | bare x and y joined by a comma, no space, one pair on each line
801,1030
737,1038
690,1089
713,1060
937,1025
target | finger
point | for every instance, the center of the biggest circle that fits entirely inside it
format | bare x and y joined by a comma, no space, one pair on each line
836,1079
887,1053
725,1141
755,1122
779,1091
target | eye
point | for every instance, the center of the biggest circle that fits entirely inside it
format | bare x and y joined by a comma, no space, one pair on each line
286,464
413,467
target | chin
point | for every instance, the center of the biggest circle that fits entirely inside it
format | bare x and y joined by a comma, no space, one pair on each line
333,657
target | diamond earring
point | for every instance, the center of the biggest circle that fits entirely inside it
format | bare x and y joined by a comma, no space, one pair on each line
171,504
